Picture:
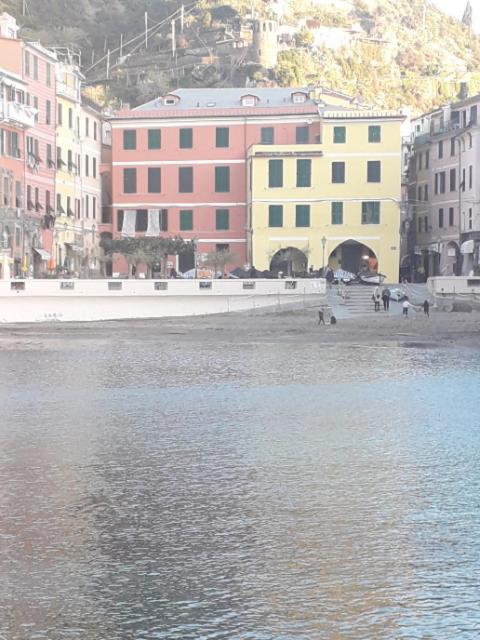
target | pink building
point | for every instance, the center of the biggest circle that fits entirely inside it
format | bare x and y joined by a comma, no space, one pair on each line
27,118
179,163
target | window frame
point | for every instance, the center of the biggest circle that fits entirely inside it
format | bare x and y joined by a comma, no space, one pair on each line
129,139
273,211
185,219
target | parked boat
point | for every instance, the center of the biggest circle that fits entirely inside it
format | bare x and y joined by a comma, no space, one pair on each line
371,278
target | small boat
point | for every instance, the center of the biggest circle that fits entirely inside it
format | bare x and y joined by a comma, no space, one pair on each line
371,278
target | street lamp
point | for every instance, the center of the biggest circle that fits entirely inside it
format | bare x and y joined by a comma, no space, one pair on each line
324,242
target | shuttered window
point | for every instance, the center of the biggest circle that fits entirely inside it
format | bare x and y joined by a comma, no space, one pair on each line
222,222
186,138
185,179
373,171
302,215
370,212
275,173
222,137
186,220
338,172
222,179
130,139
154,180
129,181
275,215
154,139
337,212
304,173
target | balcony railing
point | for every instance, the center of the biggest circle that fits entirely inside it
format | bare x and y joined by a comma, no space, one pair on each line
17,114
66,91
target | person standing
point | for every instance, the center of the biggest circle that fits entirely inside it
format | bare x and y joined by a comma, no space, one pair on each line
386,299
406,306
426,308
376,300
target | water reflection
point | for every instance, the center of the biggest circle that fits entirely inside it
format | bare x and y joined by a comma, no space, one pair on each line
240,492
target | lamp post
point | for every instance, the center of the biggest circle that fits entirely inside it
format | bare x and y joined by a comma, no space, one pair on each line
324,242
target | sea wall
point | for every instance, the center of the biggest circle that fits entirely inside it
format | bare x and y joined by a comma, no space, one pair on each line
90,300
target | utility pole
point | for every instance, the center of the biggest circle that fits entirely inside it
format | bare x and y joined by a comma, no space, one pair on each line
173,38
108,64
121,45
146,30
182,15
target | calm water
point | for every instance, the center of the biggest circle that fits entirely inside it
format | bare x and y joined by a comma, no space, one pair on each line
238,491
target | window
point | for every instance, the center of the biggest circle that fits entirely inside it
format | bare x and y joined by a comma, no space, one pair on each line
13,144
275,215
35,67
302,215
164,220
440,218
69,206
222,137
373,171
427,160
470,177
267,135
463,180
2,142
87,128
185,179
338,172
450,217
304,173
222,179
473,115
186,220
419,192
95,134
154,138
94,167
436,183
440,149
275,173
60,162
78,125
70,160
337,212
87,207
78,163
94,207
419,225
70,119
186,138
115,286
120,216
374,133
370,212
470,218
27,63
141,220
452,146
301,135
130,139
60,208
77,209
35,106
48,112
87,167
453,179
425,193
59,114
339,135
442,182
129,181
222,219
154,180
420,158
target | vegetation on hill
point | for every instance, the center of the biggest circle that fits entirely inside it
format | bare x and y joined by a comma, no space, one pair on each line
396,52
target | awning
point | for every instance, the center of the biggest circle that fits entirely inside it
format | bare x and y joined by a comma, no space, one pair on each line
467,247
73,247
44,255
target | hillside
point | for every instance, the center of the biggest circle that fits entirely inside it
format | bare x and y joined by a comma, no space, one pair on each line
389,53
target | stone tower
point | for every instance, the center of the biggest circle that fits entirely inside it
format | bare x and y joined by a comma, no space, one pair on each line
265,42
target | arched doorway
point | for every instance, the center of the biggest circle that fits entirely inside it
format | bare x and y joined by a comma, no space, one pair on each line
290,261
450,259
353,256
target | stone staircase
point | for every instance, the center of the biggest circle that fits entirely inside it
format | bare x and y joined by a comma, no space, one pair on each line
359,299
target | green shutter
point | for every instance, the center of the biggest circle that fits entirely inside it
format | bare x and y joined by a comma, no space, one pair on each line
301,135
275,215
129,139
222,137
154,139
304,173
222,222
302,215
373,171
338,172
275,173
186,138
374,133
222,179
154,180
337,212
339,134
267,135
186,220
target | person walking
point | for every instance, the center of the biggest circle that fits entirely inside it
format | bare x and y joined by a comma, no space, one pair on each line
386,299
426,308
376,300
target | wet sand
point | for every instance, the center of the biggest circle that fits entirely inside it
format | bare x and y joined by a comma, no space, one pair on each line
300,326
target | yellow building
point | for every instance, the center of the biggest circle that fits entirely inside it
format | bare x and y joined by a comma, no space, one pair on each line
335,202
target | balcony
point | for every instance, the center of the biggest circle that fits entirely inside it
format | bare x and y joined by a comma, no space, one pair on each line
286,150
16,114
66,91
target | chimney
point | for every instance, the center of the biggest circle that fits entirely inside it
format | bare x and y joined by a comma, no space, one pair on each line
463,93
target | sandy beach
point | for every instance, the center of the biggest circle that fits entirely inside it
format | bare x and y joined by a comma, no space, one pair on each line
299,326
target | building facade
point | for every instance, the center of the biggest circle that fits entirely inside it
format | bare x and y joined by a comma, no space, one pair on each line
194,163
446,191
334,203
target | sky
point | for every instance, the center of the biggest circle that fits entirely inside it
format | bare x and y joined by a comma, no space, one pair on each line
457,7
